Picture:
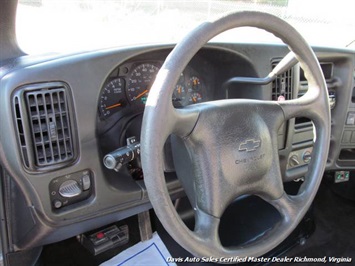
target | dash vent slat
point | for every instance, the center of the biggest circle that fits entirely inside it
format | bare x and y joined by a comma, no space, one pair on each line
282,89
282,86
49,122
20,131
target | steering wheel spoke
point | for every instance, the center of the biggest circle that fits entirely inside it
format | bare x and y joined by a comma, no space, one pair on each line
271,187
185,120
287,206
206,227
306,106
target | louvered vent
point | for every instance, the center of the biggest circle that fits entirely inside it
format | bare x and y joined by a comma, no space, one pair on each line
282,89
44,125
49,121
20,131
282,86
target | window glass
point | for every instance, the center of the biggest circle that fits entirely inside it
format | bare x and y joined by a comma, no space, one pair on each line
45,26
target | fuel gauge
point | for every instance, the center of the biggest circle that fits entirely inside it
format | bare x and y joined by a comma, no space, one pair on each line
195,90
180,95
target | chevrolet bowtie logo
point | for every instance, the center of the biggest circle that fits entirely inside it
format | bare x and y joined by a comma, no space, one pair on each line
249,145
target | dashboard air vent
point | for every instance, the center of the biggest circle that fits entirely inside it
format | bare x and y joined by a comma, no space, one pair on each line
282,89
20,131
49,121
44,125
282,86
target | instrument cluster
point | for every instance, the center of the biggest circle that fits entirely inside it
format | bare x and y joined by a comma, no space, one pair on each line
130,83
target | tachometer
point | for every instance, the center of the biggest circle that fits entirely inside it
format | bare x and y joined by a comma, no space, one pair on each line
140,82
112,97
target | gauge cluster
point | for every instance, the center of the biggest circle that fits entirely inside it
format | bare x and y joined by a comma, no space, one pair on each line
129,85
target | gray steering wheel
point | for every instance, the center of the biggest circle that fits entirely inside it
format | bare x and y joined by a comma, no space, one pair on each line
212,164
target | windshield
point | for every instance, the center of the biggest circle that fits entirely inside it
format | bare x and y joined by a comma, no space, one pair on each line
46,26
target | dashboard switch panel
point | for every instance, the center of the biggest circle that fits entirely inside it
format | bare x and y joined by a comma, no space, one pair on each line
71,188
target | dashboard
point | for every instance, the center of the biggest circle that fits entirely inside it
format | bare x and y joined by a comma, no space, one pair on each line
61,115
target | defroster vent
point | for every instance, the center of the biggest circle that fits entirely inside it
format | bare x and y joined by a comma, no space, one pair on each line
47,127
282,86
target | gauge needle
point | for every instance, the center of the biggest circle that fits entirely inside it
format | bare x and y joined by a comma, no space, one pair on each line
141,94
113,106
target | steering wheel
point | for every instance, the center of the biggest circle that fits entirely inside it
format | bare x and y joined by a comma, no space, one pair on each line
228,148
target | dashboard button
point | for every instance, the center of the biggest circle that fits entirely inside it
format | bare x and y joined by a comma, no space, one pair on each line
57,204
86,182
293,162
350,120
307,156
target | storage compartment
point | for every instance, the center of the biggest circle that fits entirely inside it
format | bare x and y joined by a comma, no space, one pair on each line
353,94
346,157
347,154
303,130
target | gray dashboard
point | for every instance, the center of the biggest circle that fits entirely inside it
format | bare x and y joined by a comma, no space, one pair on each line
110,196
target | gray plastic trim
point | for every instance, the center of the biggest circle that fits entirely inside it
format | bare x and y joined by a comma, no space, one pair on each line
86,73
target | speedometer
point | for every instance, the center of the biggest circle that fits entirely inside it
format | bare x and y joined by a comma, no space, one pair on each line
140,82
